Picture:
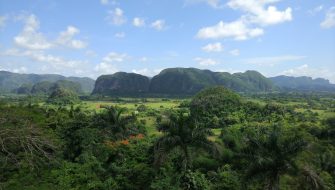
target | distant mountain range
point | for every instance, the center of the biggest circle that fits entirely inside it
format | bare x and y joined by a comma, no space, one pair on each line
188,81
10,82
171,81
287,83
180,81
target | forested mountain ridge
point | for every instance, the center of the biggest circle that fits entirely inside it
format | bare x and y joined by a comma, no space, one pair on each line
47,88
170,81
192,80
181,81
9,81
288,83
121,83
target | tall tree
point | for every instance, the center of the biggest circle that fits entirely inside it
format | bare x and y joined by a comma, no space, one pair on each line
271,154
116,125
181,133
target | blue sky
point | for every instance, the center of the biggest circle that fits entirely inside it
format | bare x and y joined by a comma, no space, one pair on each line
94,37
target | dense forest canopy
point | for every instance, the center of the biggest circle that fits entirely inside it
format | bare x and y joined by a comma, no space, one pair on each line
215,140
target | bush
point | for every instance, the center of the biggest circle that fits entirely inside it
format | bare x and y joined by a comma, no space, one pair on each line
141,108
216,102
61,96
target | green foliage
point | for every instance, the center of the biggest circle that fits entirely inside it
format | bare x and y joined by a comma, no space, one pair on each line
116,125
26,144
141,108
47,88
62,96
179,81
226,179
270,153
274,141
215,106
43,87
194,181
10,82
166,179
191,81
24,89
68,85
121,83
181,133
79,176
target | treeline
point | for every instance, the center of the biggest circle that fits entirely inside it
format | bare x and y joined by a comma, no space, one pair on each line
259,146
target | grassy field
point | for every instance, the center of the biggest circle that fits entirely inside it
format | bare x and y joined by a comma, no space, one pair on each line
153,105
158,106
132,105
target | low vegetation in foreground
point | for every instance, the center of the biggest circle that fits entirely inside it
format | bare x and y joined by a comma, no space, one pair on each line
216,139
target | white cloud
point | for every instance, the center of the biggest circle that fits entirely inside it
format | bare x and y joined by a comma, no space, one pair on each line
172,54
214,47
56,62
143,59
329,20
235,52
115,57
90,53
239,30
158,24
205,61
104,2
147,72
144,71
66,38
3,20
116,17
120,35
11,52
271,61
138,22
105,68
212,3
30,38
258,12
316,10
306,70
230,70
20,70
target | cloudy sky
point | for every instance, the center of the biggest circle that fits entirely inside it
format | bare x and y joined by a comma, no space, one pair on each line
94,37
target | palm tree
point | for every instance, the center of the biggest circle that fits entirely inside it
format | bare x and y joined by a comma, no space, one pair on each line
181,133
115,123
270,156
310,180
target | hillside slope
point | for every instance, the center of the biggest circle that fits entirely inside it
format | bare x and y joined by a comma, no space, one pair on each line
191,81
121,83
180,81
288,83
9,81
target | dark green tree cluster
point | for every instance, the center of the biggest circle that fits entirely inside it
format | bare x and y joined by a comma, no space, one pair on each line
62,96
47,88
